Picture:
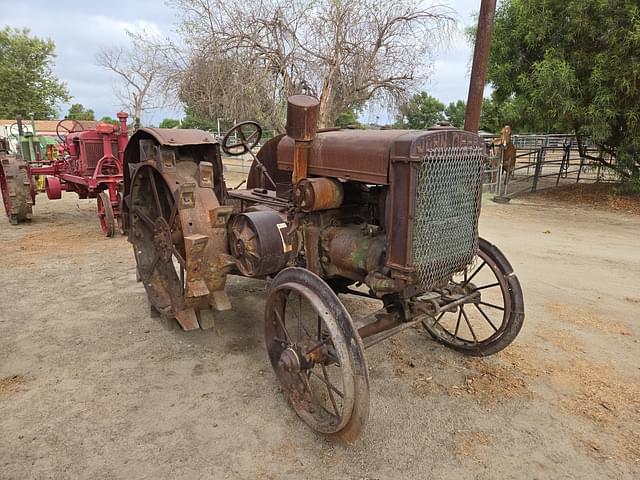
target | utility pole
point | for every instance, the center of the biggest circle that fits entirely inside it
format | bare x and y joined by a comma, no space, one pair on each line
480,65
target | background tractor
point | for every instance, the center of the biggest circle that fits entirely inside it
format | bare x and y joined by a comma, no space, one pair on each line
87,161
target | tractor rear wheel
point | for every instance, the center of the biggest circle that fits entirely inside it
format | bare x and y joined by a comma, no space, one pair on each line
105,214
15,185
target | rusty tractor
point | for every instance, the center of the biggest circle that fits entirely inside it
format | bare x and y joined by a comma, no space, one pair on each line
388,215
89,163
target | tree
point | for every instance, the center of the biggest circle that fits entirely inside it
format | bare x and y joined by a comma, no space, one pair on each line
78,112
245,57
455,113
421,111
573,65
27,84
170,123
348,118
138,66
111,120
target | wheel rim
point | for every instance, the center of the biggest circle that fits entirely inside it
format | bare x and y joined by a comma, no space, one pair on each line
156,233
6,199
105,214
483,321
310,357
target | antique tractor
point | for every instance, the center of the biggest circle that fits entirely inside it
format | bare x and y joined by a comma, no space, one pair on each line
388,215
89,163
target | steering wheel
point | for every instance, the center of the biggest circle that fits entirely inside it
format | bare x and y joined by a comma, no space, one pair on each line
67,126
14,131
249,134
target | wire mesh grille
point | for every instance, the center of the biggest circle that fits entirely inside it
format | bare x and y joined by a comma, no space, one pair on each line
445,229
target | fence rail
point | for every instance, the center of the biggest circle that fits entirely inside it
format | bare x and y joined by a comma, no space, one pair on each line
546,161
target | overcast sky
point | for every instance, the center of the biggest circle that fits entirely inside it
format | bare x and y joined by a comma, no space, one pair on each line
79,29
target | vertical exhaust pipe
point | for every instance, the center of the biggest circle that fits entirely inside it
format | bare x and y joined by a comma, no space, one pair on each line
302,125
480,65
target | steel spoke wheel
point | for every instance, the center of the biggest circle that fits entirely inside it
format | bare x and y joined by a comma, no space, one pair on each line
158,243
493,318
316,354
105,214
15,186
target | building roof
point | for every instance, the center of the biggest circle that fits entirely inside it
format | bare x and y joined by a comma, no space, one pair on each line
48,127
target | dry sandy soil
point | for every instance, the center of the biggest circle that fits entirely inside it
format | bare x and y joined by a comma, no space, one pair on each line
92,387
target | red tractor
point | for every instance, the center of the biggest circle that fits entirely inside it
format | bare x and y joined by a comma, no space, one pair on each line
90,164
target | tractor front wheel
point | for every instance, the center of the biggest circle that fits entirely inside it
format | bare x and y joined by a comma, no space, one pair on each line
105,214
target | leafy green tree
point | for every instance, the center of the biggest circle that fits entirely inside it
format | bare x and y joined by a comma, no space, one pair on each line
421,111
348,118
455,113
170,123
191,120
27,84
111,120
573,66
78,112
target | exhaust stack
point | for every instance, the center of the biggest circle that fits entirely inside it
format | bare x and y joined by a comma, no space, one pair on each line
302,125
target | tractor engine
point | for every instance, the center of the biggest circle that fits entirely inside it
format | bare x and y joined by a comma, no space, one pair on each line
395,210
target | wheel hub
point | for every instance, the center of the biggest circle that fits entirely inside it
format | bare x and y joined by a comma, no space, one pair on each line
290,360
162,239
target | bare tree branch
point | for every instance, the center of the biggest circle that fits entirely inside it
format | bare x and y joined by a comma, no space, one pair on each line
244,57
139,67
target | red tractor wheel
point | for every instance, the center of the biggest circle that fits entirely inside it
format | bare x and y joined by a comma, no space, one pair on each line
105,214
53,187
15,185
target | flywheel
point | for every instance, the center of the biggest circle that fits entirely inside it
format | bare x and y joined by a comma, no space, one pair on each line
16,187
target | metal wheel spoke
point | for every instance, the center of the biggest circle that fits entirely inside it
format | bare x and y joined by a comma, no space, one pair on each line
319,328
305,382
172,216
316,346
327,383
154,189
154,264
145,218
458,323
466,319
486,317
439,318
286,333
299,317
474,273
492,306
333,400
488,286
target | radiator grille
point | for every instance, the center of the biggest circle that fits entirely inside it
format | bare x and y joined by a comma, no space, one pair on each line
445,229
95,152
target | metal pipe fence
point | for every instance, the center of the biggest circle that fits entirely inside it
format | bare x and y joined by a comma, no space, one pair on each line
545,161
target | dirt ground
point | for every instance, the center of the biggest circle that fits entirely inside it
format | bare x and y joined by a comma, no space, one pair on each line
92,387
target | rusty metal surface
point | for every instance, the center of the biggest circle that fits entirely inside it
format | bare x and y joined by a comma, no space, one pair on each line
313,194
480,65
358,155
300,355
259,242
351,252
178,230
407,154
302,117
178,136
268,156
